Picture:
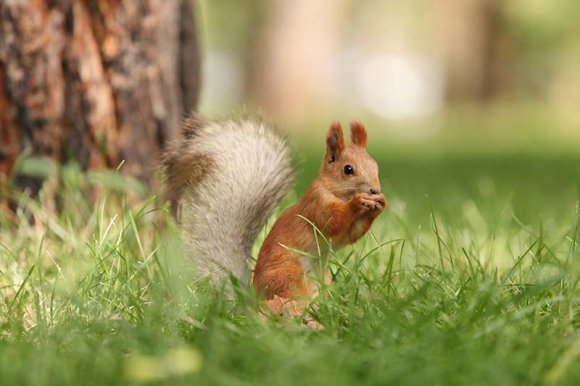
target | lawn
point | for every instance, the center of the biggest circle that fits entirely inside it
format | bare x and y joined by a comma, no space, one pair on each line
471,276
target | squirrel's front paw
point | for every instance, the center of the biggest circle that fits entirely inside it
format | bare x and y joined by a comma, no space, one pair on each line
380,201
371,204
363,203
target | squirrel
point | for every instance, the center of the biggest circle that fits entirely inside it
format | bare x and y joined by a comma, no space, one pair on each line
227,177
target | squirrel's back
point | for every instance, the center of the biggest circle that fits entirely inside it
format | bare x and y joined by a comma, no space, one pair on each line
227,176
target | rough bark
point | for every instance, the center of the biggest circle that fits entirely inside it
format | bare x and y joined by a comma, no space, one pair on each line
95,81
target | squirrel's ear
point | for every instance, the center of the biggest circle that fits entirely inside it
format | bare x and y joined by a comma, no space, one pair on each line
334,142
358,134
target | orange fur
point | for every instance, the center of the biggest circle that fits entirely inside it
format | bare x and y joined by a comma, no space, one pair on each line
359,134
343,206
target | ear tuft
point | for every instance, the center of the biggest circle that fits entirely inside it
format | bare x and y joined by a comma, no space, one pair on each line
334,142
358,134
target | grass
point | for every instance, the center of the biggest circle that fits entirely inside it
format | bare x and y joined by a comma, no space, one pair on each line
472,276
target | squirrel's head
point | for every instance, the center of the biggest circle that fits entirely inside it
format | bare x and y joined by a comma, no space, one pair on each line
347,170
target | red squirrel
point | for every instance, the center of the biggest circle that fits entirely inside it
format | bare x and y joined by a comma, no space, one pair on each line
342,202
229,175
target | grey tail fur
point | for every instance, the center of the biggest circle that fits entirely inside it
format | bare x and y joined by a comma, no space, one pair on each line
227,177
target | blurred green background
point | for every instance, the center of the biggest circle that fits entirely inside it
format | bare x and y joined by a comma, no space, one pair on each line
463,100
415,66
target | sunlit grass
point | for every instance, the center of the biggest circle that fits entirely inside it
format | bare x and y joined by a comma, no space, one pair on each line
472,276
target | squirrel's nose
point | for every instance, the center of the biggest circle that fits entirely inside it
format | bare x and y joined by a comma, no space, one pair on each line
375,190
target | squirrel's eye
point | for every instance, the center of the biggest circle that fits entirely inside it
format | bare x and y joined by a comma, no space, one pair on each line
348,170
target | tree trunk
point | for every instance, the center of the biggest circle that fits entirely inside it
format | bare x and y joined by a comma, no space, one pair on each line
95,81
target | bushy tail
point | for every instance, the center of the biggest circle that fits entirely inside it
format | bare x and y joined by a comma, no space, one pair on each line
227,176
